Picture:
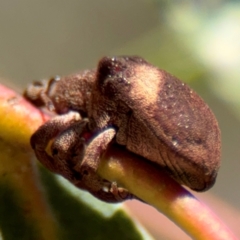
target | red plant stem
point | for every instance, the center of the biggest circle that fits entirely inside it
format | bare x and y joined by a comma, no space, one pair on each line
149,183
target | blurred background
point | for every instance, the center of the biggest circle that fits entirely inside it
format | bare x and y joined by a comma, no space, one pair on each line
197,41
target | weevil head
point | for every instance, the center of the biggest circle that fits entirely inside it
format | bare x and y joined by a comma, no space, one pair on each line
63,94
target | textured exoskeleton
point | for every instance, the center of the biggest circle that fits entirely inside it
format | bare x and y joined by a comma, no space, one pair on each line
132,103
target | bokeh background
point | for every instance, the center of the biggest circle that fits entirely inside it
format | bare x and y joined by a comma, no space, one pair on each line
197,41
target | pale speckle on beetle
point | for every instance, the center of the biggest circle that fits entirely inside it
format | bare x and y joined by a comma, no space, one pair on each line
128,101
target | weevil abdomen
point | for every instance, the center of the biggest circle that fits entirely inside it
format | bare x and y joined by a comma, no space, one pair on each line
165,121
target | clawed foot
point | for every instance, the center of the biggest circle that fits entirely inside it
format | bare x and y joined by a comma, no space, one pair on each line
102,189
120,193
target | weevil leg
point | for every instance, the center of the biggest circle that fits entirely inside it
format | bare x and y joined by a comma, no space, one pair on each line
68,149
111,193
120,193
99,187
104,190
41,138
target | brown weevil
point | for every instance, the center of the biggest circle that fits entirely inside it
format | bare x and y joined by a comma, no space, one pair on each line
128,101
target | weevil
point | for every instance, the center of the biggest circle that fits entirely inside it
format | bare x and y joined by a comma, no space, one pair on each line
128,101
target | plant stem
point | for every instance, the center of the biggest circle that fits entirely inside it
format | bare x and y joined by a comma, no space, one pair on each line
151,184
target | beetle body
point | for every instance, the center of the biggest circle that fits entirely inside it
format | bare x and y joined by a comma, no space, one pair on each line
158,117
128,101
